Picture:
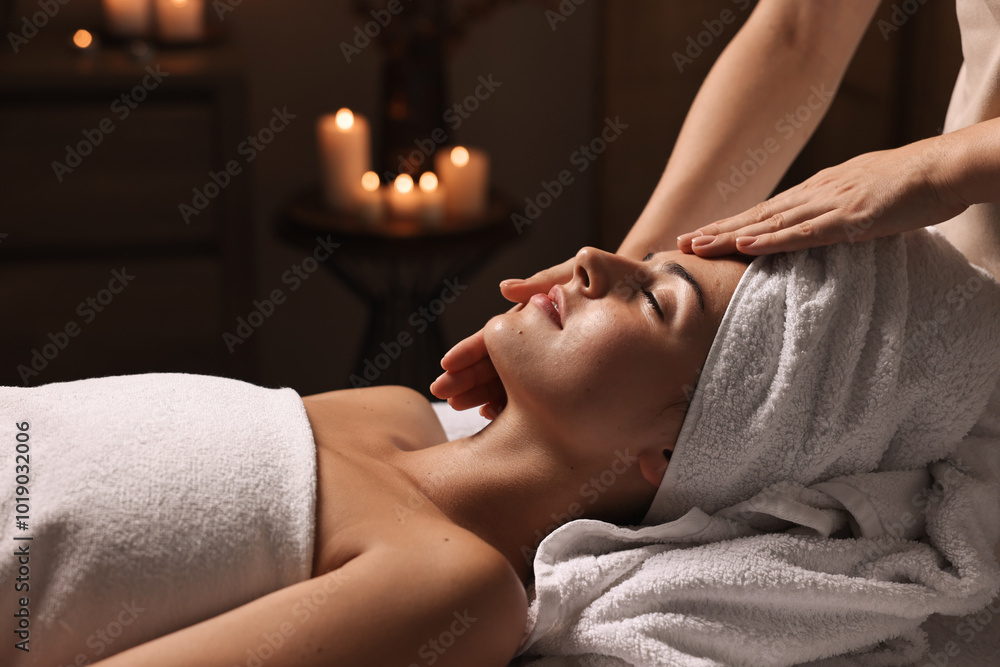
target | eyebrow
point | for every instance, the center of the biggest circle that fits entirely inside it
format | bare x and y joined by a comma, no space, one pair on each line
675,269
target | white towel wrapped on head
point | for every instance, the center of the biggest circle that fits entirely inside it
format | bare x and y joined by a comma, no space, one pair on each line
847,393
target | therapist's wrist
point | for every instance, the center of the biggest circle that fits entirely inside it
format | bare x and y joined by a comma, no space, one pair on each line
967,164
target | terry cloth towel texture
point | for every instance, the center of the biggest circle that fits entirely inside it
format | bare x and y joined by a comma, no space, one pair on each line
847,394
155,502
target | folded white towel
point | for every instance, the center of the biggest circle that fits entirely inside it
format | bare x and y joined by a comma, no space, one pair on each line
848,392
156,501
692,592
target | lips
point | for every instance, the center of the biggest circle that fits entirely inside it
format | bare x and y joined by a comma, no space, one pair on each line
550,304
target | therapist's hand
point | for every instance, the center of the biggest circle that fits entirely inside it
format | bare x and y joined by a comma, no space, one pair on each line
470,378
872,195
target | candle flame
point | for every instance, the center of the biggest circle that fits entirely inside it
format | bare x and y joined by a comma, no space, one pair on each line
459,156
345,119
404,183
83,38
428,182
370,181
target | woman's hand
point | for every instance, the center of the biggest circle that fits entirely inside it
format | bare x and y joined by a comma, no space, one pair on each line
872,195
470,378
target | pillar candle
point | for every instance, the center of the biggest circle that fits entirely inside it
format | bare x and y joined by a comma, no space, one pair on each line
371,204
128,18
404,197
180,20
465,176
432,200
345,156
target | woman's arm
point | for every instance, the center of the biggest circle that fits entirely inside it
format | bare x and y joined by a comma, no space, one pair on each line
446,604
788,54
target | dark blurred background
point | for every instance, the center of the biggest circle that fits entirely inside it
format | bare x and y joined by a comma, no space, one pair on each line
100,273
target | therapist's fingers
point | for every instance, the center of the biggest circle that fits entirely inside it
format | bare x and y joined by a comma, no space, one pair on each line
471,350
823,230
453,383
465,353
520,291
763,211
728,242
479,395
494,407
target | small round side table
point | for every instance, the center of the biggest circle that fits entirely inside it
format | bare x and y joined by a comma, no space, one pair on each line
408,276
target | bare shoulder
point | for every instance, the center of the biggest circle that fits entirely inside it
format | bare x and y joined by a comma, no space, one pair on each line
392,407
457,601
471,605
441,597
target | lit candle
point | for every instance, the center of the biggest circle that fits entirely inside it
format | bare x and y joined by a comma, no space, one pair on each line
465,175
84,41
128,18
180,20
432,200
404,198
370,205
345,156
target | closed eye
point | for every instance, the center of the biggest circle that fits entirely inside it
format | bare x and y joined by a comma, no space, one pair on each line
652,302
676,269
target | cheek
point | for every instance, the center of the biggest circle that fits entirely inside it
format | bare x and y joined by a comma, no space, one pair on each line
608,360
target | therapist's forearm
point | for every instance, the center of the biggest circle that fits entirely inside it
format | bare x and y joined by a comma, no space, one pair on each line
968,162
788,55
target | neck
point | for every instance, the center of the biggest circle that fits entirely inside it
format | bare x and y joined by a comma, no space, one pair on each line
510,487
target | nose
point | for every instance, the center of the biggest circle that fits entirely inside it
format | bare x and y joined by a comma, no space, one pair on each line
596,270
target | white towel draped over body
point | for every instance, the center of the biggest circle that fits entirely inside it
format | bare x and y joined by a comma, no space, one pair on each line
156,501
851,391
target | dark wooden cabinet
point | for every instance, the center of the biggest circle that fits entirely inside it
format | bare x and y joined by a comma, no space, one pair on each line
92,181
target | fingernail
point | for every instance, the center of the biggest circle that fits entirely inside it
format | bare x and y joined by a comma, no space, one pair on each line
703,241
688,236
511,282
746,241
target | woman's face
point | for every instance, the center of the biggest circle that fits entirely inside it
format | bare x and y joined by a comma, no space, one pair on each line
611,357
